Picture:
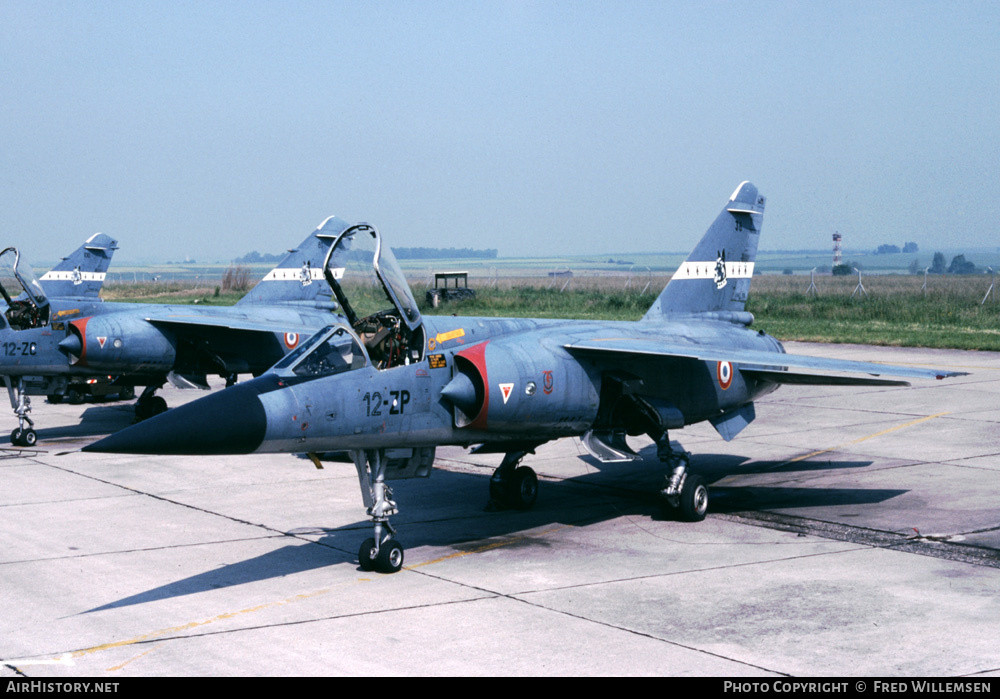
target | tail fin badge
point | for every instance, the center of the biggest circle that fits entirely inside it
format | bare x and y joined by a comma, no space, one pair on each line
305,274
720,270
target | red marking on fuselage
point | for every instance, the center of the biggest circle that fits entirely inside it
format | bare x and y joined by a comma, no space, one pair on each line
81,325
477,355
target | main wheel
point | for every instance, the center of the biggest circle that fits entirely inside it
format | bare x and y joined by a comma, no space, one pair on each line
522,491
157,405
694,498
390,557
366,555
74,396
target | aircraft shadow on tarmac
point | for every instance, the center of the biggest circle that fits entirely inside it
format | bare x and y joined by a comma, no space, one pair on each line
448,509
98,420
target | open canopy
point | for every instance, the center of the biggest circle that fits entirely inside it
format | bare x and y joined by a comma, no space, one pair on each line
25,302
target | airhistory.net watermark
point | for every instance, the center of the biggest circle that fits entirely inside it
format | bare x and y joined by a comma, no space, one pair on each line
46,687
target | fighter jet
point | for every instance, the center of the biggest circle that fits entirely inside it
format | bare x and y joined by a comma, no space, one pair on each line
33,309
47,342
388,380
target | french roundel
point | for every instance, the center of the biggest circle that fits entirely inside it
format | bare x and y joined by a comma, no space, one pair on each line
291,340
724,371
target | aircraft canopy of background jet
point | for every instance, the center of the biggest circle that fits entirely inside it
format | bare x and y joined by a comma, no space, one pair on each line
25,305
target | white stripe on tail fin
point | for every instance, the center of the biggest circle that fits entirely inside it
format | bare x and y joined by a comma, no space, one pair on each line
716,275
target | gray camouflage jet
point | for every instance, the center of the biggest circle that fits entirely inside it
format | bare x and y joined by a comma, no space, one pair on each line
35,308
388,385
46,342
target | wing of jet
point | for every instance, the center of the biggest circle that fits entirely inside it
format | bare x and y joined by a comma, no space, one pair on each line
81,274
775,367
181,322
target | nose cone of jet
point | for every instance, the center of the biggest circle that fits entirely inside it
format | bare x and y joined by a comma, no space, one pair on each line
232,421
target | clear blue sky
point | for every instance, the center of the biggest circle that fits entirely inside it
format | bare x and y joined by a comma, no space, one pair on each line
210,129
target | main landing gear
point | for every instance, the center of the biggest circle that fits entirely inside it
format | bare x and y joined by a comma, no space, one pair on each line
513,487
685,493
381,552
21,436
149,404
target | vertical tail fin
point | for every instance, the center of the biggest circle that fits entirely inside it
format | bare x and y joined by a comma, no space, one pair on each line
299,275
716,275
81,274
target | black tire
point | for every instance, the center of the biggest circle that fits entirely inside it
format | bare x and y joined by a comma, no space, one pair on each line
127,393
15,437
54,398
498,493
522,491
29,438
366,557
390,557
157,405
694,498
74,396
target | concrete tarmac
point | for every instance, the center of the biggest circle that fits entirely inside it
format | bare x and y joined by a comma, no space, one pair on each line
851,531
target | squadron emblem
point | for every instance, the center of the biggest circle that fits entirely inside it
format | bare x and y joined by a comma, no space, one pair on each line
720,270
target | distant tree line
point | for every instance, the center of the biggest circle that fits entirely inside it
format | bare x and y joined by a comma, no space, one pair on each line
256,258
892,249
436,253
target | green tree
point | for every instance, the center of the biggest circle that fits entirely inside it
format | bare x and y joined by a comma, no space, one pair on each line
937,266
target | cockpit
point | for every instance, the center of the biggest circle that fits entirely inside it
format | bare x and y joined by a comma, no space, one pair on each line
24,302
373,294
333,350
383,327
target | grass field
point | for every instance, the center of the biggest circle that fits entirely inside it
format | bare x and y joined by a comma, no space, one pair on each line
895,311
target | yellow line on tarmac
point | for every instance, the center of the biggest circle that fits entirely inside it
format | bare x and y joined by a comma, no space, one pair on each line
195,624
269,605
861,439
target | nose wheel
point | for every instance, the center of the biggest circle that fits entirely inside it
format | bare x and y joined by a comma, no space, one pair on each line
381,552
387,558
21,436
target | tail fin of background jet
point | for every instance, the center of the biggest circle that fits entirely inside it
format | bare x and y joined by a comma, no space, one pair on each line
299,275
81,275
716,275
